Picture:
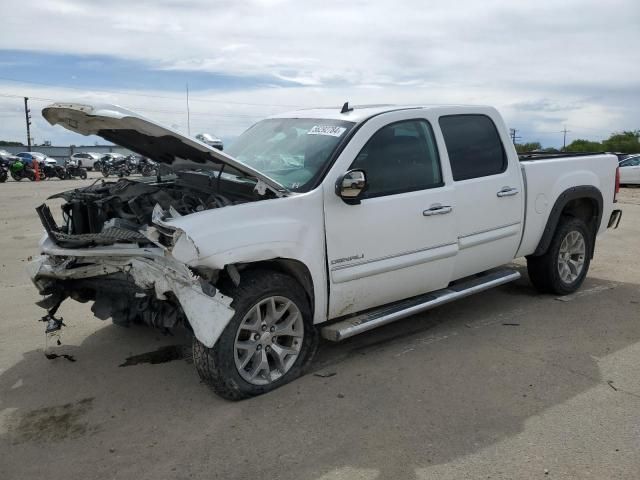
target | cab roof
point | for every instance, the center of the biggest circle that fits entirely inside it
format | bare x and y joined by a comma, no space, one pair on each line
360,113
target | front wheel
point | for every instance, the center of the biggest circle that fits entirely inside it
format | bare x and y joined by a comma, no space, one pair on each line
268,342
83,173
563,268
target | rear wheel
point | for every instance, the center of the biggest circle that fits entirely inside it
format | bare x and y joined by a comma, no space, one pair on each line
268,342
565,265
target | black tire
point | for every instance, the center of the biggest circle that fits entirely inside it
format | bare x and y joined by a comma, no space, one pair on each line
3,176
83,173
543,270
216,366
105,172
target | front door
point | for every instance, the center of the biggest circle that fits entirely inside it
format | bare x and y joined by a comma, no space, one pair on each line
400,241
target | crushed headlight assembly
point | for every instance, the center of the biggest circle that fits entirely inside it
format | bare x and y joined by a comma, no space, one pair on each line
184,248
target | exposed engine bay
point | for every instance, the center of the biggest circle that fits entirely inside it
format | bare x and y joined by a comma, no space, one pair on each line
149,287
120,212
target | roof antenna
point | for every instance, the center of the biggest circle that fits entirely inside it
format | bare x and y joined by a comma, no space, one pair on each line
346,108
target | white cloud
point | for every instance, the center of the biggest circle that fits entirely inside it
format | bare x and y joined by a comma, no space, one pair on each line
576,58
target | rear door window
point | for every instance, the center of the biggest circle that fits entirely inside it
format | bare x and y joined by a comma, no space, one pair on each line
474,146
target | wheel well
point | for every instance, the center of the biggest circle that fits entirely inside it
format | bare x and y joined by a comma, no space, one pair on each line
583,208
583,202
293,268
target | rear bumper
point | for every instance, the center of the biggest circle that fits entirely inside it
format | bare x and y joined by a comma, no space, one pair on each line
614,219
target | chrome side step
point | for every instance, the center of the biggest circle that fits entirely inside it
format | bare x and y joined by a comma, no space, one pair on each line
390,313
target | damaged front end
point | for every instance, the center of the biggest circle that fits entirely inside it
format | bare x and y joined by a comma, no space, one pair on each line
114,246
152,289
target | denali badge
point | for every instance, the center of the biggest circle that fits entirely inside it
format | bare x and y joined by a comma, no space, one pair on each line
347,259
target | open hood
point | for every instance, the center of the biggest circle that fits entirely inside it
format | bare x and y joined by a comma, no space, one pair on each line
147,138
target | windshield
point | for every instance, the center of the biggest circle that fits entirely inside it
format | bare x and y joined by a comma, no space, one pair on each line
291,151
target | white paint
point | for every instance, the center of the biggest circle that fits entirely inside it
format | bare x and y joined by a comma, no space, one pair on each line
388,250
630,171
553,177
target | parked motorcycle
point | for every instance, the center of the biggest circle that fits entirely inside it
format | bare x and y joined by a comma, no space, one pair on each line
145,167
72,170
19,171
118,166
150,169
51,170
4,171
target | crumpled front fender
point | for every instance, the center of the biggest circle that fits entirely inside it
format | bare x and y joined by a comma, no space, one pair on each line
207,310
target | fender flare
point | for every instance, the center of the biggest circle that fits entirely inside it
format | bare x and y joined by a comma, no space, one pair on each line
573,193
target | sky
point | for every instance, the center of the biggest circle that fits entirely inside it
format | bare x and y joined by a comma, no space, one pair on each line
545,65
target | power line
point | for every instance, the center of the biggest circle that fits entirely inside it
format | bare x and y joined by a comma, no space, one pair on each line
188,115
27,115
137,94
564,141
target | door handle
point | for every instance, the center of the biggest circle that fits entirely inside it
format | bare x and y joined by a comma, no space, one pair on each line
508,192
437,209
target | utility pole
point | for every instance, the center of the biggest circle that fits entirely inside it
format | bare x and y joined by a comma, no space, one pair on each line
564,141
512,134
188,113
27,115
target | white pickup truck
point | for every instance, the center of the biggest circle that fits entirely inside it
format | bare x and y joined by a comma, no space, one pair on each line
324,222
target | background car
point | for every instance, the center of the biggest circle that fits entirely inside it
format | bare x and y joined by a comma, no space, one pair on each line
630,170
29,157
85,159
6,157
210,140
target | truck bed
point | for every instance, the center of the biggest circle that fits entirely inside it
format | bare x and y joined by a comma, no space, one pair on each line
546,180
532,156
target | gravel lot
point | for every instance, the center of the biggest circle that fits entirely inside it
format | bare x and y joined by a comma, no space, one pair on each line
506,384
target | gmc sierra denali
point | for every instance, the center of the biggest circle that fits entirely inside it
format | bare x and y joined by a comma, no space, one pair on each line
323,222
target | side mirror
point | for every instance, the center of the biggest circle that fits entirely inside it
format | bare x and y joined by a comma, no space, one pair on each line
351,186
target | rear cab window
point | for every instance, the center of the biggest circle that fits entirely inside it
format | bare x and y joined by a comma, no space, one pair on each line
474,146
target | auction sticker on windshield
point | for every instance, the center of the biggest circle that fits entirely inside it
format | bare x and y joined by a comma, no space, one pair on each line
330,130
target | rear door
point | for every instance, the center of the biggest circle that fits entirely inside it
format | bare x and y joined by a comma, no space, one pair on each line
400,240
489,193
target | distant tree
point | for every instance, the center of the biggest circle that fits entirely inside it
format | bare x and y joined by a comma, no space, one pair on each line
6,143
580,145
528,147
626,142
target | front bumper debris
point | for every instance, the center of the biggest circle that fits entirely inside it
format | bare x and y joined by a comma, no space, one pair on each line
206,309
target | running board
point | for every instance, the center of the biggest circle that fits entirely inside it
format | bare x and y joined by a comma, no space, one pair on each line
390,313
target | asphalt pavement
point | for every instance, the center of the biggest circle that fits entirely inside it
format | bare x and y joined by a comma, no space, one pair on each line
507,384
